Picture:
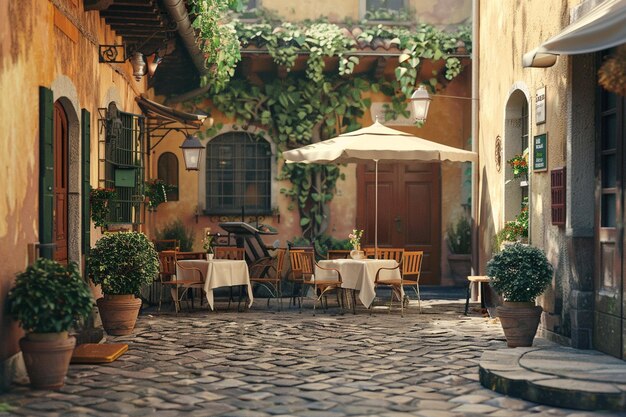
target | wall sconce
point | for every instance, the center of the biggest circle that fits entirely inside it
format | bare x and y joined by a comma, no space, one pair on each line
420,100
116,54
192,151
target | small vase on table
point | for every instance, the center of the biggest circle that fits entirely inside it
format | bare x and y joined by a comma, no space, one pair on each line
357,253
209,256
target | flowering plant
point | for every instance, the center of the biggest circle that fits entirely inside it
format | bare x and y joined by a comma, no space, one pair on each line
209,240
156,190
99,199
355,238
519,165
515,230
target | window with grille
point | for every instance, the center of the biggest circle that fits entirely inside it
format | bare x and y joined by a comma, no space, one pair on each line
383,9
121,163
557,182
238,174
167,170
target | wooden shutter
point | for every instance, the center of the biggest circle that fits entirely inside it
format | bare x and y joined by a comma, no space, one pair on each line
46,170
86,183
557,181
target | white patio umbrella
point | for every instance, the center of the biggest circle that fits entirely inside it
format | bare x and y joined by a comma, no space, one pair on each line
376,143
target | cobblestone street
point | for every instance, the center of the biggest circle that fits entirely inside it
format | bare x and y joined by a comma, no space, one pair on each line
263,362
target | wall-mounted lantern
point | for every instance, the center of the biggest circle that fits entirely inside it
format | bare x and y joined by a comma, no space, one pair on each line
192,152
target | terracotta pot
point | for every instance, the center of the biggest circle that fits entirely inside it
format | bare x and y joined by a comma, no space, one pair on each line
119,313
519,322
47,358
460,267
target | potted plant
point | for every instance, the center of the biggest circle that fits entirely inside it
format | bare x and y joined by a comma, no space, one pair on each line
121,263
459,238
47,299
156,191
520,273
208,242
355,241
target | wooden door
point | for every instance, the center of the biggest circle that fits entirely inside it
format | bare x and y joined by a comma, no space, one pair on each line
608,334
409,210
59,216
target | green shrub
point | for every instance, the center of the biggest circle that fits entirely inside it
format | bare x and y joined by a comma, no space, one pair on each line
49,297
177,230
520,272
459,236
123,262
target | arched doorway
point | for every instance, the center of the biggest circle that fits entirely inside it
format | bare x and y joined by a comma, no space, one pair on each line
60,190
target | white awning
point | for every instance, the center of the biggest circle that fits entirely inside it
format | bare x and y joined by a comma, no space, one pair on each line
603,27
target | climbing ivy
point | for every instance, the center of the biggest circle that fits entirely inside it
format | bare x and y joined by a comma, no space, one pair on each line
299,109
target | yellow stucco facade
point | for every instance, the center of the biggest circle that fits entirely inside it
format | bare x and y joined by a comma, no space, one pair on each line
53,44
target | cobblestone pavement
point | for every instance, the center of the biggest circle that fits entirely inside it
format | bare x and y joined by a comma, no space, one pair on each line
268,363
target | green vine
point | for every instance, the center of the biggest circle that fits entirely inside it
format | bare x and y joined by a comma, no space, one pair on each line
299,109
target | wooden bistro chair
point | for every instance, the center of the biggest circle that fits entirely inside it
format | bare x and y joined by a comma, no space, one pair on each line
235,254
385,253
337,254
168,278
267,272
305,260
409,266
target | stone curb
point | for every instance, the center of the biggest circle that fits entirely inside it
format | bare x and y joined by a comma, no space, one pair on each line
501,371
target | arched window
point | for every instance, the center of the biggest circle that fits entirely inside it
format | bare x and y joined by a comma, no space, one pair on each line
167,170
516,144
238,174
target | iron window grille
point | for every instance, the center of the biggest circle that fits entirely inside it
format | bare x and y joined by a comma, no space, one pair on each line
238,175
121,150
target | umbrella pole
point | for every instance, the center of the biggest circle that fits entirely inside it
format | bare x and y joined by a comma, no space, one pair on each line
376,214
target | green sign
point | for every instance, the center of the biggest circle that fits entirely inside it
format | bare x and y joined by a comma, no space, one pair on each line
540,152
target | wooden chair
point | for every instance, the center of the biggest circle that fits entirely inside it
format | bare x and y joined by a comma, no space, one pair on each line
166,244
337,254
296,275
396,284
229,252
235,254
385,253
305,261
267,272
167,276
410,268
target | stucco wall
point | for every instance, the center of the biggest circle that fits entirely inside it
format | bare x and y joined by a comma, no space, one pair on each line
51,44
507,30
436,12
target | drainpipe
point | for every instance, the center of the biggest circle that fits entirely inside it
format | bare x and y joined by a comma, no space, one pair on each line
178,12
475,147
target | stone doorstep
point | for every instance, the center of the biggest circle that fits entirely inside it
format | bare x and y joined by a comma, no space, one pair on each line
544,388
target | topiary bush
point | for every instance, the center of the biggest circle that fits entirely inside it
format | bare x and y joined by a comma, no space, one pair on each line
520,272
49,297
123,262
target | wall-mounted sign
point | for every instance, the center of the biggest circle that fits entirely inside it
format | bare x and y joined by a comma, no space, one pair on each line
540,106
540,152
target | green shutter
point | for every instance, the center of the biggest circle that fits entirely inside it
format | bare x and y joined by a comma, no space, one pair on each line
86,185
46,169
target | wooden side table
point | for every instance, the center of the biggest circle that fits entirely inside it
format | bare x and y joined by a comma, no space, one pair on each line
483,282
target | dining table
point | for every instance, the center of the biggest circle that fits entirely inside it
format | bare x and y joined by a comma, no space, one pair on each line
359,275
217,273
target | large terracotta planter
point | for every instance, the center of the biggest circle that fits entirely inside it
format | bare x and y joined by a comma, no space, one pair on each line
47,358
119,313
460,267
519,322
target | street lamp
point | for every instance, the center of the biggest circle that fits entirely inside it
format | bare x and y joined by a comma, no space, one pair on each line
420,100
192,150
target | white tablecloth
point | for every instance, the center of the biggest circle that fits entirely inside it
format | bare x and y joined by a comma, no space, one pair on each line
218,273
359,274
